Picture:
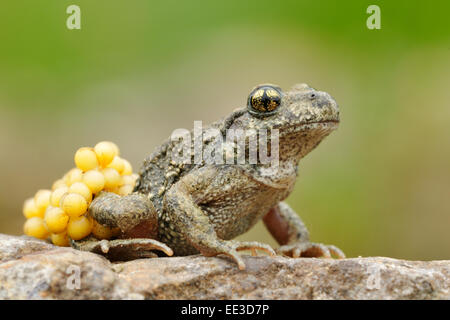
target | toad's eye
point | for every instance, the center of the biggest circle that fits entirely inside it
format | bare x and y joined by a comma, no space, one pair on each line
264,101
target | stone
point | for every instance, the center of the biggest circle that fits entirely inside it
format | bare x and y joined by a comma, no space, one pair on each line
35,269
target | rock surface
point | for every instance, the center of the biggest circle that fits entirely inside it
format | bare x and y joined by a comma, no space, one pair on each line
34,269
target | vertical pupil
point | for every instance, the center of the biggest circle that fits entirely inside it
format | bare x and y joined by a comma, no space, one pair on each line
258,100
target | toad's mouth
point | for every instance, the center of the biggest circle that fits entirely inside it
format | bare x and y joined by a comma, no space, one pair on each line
324,121
325,125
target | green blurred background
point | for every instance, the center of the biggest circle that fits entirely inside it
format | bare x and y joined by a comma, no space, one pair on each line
136,70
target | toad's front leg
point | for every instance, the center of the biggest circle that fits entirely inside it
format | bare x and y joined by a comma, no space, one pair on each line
290,232
195,225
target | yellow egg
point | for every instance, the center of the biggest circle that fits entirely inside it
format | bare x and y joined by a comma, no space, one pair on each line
101,232
126,189
127,168
106,151
94,180
74,204
128,179
117,164
114,190
79,228
42,199
34,227
30,209
57,194
115,147
82,189
56,219
60,239
86,159
112,178
58,184
74,175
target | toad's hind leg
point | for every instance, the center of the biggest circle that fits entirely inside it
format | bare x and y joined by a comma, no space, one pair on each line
122,249
133,214
136,219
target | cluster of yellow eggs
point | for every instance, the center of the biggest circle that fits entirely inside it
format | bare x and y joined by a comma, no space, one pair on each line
61,213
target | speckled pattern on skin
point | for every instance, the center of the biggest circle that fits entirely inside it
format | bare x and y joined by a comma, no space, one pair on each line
201,207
